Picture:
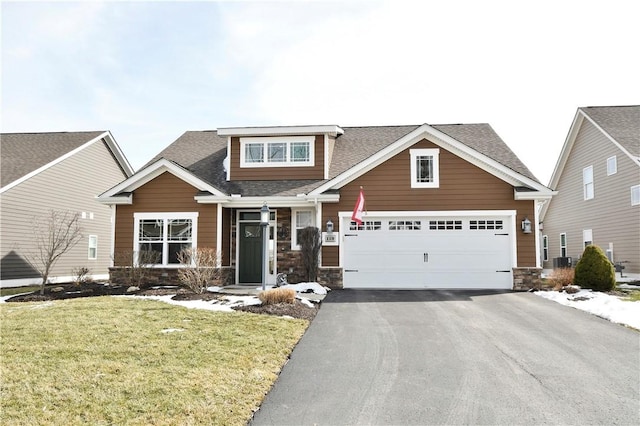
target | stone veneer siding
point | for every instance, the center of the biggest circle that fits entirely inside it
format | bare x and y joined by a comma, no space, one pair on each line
527,278
163,276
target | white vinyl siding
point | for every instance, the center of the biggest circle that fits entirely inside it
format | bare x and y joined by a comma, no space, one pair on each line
425,168
587,182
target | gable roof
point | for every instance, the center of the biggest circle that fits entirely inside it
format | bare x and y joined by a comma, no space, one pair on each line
619,124
202,153
26,154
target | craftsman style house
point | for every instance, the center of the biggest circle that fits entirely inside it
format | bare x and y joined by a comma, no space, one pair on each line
597,177
446,206
62,171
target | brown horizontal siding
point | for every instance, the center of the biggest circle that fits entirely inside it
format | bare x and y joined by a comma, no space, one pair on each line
277,173
463,186
166,193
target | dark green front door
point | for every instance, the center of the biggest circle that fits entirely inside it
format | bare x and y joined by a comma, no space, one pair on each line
250,253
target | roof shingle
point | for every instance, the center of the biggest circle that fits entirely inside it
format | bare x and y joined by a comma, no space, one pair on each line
622,123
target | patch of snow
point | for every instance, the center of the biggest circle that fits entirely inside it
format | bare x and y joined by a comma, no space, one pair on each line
603,305
214,289
305,287
171,330
306,302
223,305
165,286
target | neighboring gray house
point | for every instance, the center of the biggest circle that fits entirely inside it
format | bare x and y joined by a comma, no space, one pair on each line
598,181
56,171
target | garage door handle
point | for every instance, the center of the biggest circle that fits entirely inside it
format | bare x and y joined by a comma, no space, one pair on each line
502,234
351,270
350,235
503,271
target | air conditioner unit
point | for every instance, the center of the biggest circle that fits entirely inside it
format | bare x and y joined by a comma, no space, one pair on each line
562,262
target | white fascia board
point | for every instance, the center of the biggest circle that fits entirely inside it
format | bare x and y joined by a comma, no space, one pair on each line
128,199
153,171
444,141
533,195
54,162
333,130
566,148
271,201
117,152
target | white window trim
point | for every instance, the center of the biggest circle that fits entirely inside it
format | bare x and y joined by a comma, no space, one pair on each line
433,152
635,189
93,246
164,216
565,244
587,235
545,248
288,140
294,226
614,162
586,182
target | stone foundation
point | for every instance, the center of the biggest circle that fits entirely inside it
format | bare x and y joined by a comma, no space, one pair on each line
330,277
527,279
162,276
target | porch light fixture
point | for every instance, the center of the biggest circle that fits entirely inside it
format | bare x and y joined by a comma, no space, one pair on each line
526,226
329,227
264,224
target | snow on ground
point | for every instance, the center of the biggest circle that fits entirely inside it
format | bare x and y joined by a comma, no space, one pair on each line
223,305
603,305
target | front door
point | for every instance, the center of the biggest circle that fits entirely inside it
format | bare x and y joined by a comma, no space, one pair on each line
250,253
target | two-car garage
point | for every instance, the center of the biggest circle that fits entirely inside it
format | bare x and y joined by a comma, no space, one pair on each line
453,250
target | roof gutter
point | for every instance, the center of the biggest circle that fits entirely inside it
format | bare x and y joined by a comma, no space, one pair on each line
235,200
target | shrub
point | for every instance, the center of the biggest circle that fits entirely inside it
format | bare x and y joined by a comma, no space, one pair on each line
135,272
277,295
199,268
81,275
310,244
594,270
561,277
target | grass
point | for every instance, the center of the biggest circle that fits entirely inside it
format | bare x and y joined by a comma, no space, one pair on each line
110,360
632,296
10,291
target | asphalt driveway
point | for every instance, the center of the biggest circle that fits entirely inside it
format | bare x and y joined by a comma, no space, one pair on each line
456,357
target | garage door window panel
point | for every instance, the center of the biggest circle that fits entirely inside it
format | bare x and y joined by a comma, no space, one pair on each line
368,225
445,225
476,225
405,225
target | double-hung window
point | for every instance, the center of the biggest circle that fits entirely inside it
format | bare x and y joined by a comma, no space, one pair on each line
545,248
160,237
425,168
635,195
289,151
301,219
587,182
612,166
93,247
563,245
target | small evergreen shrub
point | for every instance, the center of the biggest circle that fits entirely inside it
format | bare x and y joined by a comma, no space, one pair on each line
594,270
277,295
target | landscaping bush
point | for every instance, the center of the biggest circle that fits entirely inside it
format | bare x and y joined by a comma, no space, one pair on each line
561,277
277,295
199,268
594,270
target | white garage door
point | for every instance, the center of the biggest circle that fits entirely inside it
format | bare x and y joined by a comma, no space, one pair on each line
428,252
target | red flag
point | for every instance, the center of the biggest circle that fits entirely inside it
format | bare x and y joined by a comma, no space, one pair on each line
358,210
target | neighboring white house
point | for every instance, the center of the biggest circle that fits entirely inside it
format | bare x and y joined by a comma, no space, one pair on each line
598,181
56,171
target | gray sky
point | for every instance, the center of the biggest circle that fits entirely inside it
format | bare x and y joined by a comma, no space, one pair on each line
149,71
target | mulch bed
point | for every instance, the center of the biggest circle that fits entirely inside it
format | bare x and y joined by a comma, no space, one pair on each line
93,289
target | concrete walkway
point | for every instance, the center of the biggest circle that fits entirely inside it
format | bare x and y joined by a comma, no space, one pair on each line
463,357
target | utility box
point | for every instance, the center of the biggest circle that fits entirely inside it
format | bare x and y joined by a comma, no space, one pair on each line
562,262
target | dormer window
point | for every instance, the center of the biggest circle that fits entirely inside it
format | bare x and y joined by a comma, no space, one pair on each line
290,151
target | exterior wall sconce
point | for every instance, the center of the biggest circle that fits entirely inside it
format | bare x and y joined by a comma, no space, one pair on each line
329,227
264,224
526,226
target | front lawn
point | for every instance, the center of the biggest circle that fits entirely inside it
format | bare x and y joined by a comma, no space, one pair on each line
111,360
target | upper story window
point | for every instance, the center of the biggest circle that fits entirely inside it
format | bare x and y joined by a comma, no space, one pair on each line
290,151
587,182
425,168
635,195
612,166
